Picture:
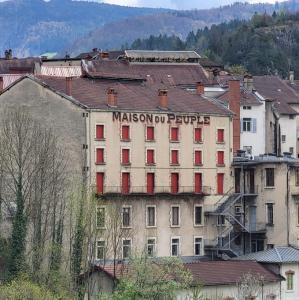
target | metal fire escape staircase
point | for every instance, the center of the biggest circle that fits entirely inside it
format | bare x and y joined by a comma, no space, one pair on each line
232,229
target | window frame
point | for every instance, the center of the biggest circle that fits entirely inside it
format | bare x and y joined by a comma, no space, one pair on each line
217,140
266,180
146,136
104,249
178,181
121,182
147,215
270,213
146,156
194,156
122,247
178,246
121,156
201,245
155,246
202,138
178,134
179,216
121,133
194,215
247,124
217,159
290,275
98,208
104,132
178,157
104,155
130,218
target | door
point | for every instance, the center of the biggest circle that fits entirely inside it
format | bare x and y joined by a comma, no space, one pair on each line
125,183
150,183
174,183
251,181
237,180
220,182
100,183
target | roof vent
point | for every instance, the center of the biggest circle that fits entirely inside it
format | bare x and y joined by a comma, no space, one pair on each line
200,88
111,97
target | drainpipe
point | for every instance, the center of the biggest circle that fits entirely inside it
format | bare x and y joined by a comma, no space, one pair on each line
288,208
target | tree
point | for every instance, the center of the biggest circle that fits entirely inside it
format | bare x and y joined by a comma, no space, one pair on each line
250,286
32,188
144,278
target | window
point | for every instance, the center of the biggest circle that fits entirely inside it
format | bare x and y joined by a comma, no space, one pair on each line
125,182
175,216
248,125
290,280
220,182
220,158
99,132
127,216
297,176
150,133
99,155
220,220
150,183
125,132
220,135
247,107
269,177
198,246
151,216
100,219
198,183
174,183
197,157
100,182
151,247
198,215
269,207
283,138
127,245
125,156
291,150
174,157
175,246
174,134
100,249
197,135
150,156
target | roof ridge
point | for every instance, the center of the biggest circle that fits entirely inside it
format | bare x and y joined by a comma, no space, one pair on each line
278,254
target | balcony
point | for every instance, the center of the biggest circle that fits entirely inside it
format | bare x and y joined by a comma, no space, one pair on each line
143,190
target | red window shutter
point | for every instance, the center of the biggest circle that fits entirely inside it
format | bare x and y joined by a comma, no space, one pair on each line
100,183
198,134
220,182
125,183
198,157
150,133
198,183
125,134
150,178
175,157
150,155
100,156
174,135
99,132
174,183
220,135
125,156
220,157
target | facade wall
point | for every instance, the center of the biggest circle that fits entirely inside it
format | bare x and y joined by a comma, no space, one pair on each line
254,139
112,169
290,294
288,127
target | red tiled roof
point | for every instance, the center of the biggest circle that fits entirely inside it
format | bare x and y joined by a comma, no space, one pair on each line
170,74
247,98
227,272
209,273
134,96
273,88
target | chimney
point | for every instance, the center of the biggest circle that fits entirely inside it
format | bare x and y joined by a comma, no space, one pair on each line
234,97
163,98
292,77
1,84
111,97
105,55
68,85
248,82
8,54
94,49
200,88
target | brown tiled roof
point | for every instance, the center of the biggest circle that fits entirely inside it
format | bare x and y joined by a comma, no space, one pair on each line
227,272
273,88
133,96
247,98
169,74
209,273
17,66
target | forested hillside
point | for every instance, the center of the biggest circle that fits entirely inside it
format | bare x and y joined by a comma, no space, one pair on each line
264,45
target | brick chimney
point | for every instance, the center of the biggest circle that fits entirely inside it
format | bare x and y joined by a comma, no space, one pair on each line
200,88
68,85
1,84
234,97
111,97
163,98
105,55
